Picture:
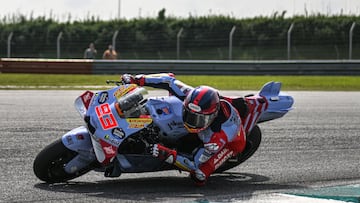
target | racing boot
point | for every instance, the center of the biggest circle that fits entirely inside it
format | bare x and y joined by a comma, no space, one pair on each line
198,177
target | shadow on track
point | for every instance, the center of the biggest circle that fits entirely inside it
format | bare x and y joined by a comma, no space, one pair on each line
219,187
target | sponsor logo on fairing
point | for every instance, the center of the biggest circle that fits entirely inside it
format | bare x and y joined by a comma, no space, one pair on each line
86,98
103,97
166,111
174,124
138,122
112,140
69,140
122,90
80,137
118,132
109,150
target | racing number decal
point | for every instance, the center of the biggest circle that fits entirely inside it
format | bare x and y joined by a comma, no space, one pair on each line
105,116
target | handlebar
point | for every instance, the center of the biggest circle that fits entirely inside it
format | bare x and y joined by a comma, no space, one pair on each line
117,83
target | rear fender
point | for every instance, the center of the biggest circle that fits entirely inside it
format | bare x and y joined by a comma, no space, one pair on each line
279,102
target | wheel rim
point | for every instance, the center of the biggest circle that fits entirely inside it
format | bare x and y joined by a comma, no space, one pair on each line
56,168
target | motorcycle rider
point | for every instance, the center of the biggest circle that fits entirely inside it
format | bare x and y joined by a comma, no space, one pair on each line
214,118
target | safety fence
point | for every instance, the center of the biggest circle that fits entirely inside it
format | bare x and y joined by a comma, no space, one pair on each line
314,37
181,67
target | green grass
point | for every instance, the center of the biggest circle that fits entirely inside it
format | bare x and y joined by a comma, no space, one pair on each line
59,81
326,83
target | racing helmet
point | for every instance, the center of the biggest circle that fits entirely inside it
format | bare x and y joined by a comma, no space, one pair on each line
201,107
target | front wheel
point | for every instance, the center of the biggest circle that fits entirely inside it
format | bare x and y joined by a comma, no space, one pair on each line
253,141
50,162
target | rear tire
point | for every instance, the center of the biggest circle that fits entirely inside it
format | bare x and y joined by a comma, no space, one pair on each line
253,141
50,162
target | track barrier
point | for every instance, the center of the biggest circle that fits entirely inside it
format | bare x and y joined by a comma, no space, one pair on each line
180,67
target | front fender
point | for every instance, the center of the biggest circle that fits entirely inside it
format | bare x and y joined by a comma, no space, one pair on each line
78,140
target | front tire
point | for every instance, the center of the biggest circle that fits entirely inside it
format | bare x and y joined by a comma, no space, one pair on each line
50,162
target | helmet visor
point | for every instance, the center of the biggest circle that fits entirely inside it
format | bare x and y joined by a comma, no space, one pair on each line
196,120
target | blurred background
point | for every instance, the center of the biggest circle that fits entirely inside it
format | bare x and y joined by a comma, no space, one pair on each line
303,30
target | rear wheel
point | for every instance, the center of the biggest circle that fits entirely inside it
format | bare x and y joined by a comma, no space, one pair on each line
253,141
50,162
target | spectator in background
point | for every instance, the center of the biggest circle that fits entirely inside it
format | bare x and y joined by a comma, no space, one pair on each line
90,52
110,53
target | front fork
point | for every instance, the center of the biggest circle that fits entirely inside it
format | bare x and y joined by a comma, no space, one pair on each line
79,140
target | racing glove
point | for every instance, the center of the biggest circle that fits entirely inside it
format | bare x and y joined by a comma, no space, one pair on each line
130,79
127,79
163,153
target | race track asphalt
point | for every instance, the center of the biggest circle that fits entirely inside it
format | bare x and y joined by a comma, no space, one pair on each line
316,144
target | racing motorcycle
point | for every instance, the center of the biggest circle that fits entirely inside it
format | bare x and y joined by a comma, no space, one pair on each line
123,122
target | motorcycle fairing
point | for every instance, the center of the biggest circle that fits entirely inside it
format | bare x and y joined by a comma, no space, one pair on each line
109,126
111,129
82,102
166,113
